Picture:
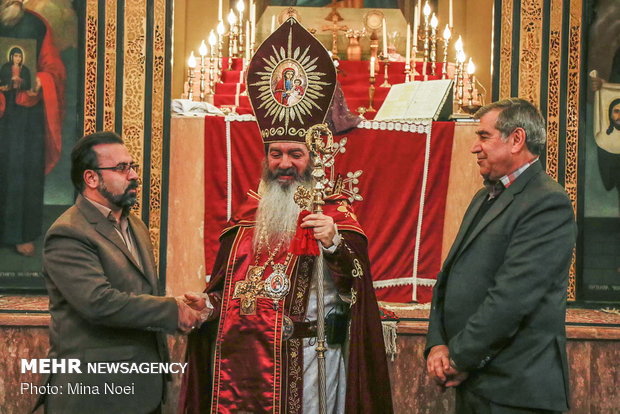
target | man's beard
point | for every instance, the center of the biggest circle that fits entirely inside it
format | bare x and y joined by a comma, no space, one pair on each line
276,217
123,201
11,12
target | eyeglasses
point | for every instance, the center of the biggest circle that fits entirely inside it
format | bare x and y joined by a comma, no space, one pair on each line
123,167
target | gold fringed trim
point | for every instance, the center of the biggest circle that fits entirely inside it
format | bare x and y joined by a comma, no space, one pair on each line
390,334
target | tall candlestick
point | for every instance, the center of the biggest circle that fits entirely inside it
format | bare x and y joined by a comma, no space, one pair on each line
191,64
202,50
221,30
433,54
427,13
372,67
385,39
446,42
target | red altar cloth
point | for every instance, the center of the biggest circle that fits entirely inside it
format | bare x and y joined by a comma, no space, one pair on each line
352,75
394,176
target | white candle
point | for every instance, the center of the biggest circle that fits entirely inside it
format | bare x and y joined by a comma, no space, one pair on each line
273,23
372,67
450,15
416,23
384,39
219,10
408,51
253,21
247,41
419,11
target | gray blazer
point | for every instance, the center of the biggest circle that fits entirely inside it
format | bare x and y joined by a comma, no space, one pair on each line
104,308
500,299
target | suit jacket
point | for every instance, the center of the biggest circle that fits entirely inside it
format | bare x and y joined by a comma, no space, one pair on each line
104,308
499,303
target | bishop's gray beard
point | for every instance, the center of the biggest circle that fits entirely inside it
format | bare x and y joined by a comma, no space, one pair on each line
11,12
276,217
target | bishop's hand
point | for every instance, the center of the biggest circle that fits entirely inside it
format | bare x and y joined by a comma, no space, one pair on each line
323,228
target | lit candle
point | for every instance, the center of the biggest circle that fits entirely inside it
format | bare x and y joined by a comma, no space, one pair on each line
447,34
471,68
384,39
212,38
273,23
408,51
240,6
450,22
372,67
434,22
221,29
232,19
458,45
203,49
191,62
427,9
219,10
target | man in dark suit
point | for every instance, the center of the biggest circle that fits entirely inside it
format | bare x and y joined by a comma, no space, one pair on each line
104,290
496,328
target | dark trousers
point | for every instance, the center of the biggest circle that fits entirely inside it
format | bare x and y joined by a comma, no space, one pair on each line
470,403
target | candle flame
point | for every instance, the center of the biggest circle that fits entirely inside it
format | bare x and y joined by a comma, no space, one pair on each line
471,68
203,49
212,38
240,6
191,62
427,9
446,33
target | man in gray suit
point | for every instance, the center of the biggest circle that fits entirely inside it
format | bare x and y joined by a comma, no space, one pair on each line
104,290
496,328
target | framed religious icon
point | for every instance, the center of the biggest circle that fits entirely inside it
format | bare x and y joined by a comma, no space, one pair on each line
38,119
600,225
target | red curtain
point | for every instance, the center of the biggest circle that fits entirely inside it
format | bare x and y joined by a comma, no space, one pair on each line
393,163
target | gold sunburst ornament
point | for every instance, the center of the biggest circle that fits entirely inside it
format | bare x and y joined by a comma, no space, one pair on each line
291,81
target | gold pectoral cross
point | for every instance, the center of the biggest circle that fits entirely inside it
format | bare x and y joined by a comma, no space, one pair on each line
250,289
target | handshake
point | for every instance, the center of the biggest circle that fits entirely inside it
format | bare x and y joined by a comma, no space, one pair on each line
194,310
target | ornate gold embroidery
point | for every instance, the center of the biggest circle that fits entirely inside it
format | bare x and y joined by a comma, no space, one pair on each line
353,297
301,285
295,376
357,269
250,289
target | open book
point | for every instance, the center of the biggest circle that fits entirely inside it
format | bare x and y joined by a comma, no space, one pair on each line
417,100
